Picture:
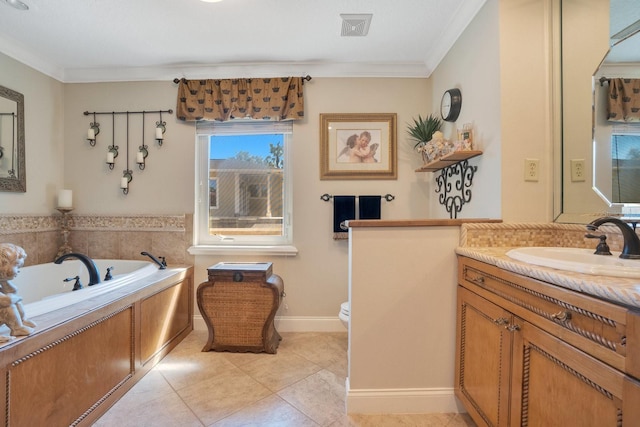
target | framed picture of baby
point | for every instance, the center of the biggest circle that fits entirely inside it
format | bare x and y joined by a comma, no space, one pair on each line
358,146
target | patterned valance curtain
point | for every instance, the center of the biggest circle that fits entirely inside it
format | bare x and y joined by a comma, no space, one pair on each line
624,100
279,98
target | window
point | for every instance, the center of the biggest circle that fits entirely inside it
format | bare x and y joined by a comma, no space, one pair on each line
242,184
625,156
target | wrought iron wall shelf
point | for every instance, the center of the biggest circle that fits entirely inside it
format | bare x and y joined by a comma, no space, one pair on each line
449,160
454,172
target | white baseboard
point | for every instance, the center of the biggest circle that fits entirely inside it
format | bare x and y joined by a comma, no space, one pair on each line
402,401
291,324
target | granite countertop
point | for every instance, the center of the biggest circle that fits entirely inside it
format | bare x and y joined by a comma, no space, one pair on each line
614,289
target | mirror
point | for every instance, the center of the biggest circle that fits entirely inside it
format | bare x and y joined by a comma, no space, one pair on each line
616,134
584,41
12,152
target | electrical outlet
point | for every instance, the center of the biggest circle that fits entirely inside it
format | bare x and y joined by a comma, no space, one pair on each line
577,170
531,169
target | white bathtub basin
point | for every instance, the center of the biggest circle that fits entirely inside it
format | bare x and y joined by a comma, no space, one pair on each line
578,260
43,289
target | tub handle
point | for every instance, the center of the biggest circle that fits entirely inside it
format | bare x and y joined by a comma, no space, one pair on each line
76,285
108,276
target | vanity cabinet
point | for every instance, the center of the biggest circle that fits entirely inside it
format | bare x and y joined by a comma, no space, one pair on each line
531,353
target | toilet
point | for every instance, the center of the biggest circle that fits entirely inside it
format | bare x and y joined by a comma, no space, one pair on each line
344,314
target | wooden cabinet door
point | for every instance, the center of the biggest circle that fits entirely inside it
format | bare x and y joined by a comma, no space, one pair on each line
554,384
483,354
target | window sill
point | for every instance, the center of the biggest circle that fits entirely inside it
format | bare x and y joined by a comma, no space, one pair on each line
284,250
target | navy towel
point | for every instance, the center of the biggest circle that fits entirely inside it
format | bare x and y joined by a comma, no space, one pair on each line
344,208
369,207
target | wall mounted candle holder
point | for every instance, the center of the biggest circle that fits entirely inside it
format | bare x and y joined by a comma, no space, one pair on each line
142,156
161,128
94,130
113,149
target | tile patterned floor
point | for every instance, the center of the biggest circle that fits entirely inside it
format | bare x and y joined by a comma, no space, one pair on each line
302,385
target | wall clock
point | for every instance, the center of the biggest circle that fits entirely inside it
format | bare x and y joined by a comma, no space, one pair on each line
450,105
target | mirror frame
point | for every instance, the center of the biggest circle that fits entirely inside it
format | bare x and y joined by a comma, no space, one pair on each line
18,184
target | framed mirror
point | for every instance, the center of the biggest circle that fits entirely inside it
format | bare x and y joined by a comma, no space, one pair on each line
616,121
12,151
585,39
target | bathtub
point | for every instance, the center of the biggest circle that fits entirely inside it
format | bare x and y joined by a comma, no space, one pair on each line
43,289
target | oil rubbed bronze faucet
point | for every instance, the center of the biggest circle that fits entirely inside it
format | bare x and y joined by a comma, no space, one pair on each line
631,246
94,276
161,264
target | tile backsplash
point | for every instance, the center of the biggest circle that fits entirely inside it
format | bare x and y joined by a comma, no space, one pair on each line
535,234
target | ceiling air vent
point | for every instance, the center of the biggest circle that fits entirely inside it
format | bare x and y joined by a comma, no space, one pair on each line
355,25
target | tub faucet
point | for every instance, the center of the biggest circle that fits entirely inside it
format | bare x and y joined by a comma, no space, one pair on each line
94,276
161,264
631,246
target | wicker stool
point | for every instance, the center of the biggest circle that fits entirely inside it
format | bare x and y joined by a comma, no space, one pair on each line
238,304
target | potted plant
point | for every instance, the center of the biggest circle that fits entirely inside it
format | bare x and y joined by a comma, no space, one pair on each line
422,131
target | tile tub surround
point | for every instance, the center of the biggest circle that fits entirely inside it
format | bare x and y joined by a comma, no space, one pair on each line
116,237
489,243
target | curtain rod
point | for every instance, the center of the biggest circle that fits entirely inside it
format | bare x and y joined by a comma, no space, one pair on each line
86,113
307,78
603,80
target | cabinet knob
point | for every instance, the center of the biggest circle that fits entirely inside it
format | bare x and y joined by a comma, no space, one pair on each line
501,321
561,316
512,328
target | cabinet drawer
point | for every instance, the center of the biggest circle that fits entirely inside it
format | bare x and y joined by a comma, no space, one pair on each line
596,327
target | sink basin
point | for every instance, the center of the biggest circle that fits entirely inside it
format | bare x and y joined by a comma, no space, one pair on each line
579,260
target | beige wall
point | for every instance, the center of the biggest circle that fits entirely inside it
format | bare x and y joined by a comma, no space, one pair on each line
44,115
526,129
482,64
585,43
403,319
473,66
315,279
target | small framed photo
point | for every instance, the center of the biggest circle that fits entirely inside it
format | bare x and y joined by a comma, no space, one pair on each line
358,146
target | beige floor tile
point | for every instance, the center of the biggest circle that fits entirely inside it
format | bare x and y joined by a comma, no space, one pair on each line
184,368
302,385
222,395
152,386
167,411
320,396
395,420
461,420
240,359
323,349
270,411
280,371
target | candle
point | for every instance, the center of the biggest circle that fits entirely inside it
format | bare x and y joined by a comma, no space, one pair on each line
110,157
159,133
91,134
124,182
65,198
139,157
